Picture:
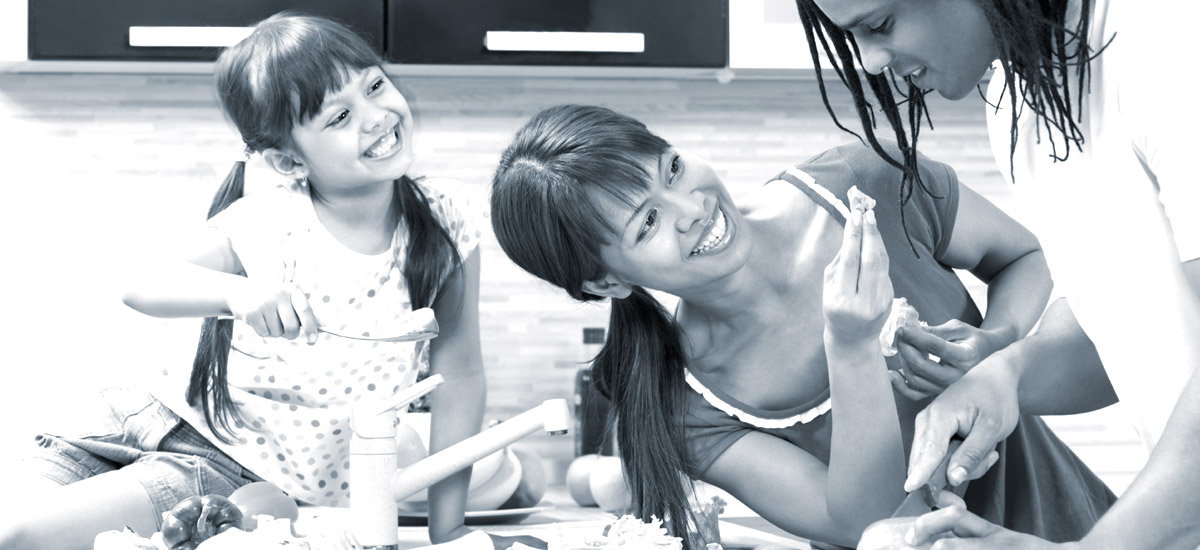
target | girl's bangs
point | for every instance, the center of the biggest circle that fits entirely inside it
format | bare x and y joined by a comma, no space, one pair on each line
304,67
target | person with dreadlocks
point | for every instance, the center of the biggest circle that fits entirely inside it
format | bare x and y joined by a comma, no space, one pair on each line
1087,116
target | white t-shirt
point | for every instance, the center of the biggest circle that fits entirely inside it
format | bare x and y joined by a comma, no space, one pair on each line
1117,218
296,396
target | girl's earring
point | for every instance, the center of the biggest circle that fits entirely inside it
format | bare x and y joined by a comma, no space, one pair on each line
302,181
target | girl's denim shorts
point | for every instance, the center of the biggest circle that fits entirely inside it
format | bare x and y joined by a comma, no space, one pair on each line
134,434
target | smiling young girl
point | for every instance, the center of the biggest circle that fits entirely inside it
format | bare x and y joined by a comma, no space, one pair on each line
310,273
768,379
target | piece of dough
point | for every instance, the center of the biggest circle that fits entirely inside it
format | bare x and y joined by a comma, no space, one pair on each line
902,315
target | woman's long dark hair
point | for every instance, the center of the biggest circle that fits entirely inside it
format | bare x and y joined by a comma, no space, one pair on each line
267,84
545,216
1034,44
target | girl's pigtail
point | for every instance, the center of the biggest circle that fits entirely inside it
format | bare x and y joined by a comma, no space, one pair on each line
641,370
209,384
432,254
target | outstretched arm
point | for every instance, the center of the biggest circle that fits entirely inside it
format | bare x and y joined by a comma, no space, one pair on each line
1027,377
204,281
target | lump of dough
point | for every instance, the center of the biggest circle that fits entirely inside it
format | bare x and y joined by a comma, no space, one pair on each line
902,315
859,200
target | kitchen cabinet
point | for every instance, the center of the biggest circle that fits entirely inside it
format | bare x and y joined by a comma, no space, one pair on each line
639,33
173,30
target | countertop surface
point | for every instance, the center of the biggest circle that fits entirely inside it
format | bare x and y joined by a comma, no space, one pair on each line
558,515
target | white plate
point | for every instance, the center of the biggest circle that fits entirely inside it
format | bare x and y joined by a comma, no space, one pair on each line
510,515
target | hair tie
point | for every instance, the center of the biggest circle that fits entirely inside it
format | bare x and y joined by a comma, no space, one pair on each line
246,151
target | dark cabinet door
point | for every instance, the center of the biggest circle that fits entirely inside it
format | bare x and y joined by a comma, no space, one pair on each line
672,33
101,29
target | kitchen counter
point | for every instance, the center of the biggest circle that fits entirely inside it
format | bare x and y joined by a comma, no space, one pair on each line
557,514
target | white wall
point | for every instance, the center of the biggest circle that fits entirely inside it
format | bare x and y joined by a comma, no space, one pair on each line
766,34
14,14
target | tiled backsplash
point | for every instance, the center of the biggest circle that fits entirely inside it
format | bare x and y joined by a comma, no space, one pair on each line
100,166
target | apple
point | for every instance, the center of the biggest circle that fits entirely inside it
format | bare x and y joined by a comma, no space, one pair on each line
608,485
532,487
578,478
410,446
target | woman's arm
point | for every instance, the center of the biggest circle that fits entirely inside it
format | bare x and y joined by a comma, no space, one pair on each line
457,405
866,465
787,487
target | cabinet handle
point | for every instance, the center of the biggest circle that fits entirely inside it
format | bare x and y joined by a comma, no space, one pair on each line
186,37
539,41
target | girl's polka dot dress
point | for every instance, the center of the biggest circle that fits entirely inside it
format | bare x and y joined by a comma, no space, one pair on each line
297,397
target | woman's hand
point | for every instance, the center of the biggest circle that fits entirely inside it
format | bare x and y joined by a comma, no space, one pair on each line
274,309
972,532
982,407
858,292
957,346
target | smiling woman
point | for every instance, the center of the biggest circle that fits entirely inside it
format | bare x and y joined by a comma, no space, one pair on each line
782,299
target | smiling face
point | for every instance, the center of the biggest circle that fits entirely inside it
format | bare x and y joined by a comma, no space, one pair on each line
945,45
682,233
359,137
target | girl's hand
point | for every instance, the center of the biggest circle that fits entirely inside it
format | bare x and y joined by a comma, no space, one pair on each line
275,310
858,292
958,347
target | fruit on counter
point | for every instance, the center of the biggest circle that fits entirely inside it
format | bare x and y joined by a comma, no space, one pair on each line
888,534
196,519
608,485
532,486
578,479
263,498
410,446
499,487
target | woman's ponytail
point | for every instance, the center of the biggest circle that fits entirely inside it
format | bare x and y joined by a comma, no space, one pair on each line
209,385
641,370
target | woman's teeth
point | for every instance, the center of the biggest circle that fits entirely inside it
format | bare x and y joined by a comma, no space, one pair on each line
715,235
384,145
